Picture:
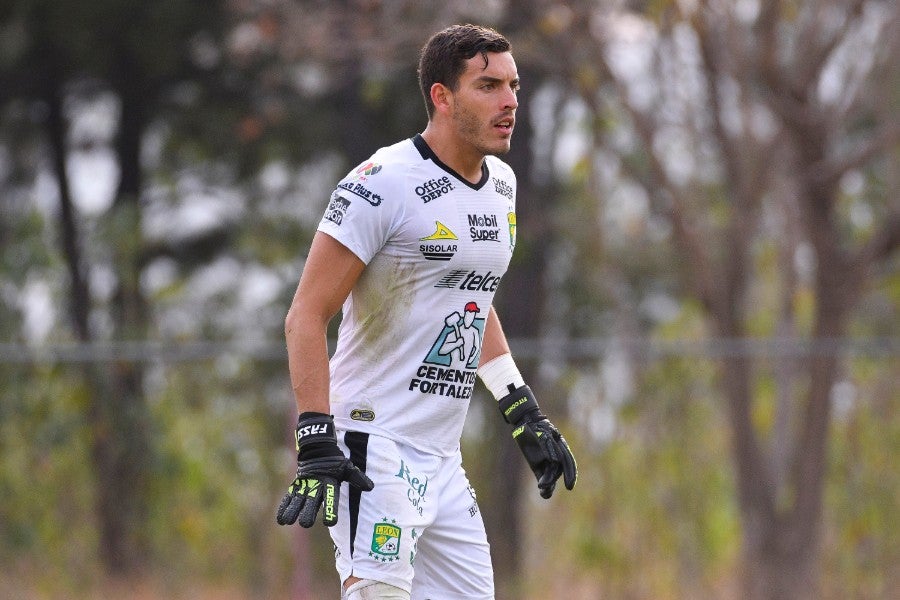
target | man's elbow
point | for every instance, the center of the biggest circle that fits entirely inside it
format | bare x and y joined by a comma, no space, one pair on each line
292,321
298,319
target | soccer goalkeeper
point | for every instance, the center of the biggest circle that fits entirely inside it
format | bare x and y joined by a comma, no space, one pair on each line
411,249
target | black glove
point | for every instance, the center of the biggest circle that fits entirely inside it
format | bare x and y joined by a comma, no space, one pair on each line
321,467
544,447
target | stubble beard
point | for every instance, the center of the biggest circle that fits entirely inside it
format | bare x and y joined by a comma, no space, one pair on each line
471,129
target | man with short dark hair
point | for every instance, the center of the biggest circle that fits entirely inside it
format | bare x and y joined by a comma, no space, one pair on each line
424,227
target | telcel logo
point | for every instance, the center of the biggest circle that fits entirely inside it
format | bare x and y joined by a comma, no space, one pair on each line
472,281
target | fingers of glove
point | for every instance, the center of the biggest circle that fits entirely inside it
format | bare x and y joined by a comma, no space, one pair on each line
288,509
549,440
531,447
558,451
569,466
532,442
547,481
561,461
357,478
311,496
338,468
547,492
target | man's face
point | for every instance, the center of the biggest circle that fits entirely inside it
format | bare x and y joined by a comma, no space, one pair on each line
484,104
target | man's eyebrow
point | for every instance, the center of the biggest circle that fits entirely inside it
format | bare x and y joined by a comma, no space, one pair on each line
489,79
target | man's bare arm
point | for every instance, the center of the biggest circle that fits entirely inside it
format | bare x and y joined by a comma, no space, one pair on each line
330,273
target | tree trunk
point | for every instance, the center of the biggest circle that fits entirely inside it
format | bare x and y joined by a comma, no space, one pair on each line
121,449
775,572
781,560
99,414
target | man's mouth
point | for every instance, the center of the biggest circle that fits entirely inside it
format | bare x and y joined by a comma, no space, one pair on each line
505,124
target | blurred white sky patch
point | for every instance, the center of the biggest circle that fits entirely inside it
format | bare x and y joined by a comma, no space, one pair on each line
309,79
746,11
843,398
597,418
301,193
37,308
46,193
274,177
215,278
93,176
599,395
617,374
543,123
660,307
630,52
675,148
200,297
625,210
102,281
572,144
852,61
853,185
92,121
259,287
91,164
196,208
158,275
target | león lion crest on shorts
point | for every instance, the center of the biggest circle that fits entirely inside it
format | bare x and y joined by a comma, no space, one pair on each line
385,541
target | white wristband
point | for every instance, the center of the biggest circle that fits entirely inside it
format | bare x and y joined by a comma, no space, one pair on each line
500,373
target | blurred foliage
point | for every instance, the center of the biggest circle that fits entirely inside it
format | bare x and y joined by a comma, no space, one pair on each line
653,516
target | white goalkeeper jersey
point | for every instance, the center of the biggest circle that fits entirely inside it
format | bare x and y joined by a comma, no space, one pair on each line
435,248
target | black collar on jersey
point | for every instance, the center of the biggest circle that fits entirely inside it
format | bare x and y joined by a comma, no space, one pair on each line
427,153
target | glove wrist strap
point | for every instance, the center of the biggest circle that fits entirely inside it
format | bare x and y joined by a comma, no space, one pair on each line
519,405
314,430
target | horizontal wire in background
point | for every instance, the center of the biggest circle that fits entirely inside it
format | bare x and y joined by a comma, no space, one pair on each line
533,348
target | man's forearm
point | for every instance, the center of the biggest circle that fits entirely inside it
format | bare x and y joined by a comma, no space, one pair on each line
494,342
307,347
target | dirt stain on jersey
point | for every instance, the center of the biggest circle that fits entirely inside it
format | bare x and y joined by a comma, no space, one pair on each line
384,294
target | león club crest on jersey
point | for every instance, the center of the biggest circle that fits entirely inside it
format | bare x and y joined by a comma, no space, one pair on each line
386,541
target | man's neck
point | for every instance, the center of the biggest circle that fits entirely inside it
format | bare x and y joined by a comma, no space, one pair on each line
458,157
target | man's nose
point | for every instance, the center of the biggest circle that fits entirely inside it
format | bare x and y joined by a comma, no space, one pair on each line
510,101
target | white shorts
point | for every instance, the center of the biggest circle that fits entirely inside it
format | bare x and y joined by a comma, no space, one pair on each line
419,529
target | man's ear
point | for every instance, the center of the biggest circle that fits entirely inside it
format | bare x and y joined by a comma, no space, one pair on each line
442,97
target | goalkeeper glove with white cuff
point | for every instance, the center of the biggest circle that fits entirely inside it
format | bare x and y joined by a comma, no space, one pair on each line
321,468
544,447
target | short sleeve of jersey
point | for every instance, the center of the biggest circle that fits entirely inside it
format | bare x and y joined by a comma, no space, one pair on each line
364,209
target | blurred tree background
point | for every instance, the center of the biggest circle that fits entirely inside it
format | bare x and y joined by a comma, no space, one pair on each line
705,291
